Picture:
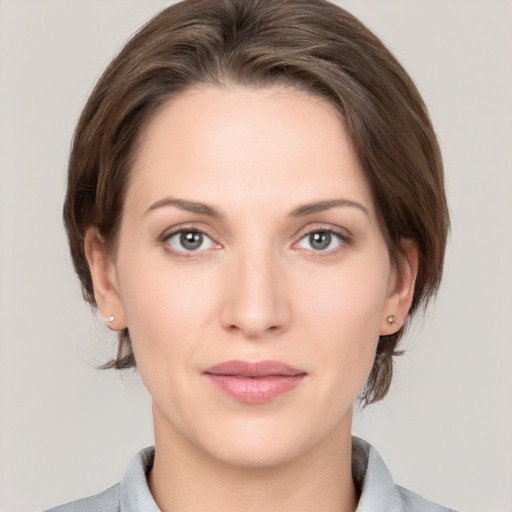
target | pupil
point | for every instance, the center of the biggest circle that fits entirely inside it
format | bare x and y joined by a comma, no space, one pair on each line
191,240
320,241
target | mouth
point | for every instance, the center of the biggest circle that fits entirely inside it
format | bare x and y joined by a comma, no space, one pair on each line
254,383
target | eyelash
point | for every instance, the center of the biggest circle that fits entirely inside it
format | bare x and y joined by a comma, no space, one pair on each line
184,253
343,241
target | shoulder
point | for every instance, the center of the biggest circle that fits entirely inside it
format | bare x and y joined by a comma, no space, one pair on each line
130,495
413,502
106,501
378,491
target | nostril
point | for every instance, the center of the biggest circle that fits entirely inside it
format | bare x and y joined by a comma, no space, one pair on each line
254,331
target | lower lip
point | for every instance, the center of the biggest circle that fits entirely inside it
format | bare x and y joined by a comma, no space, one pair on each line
257,390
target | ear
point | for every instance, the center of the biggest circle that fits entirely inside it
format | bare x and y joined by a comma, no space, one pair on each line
104,280
401,290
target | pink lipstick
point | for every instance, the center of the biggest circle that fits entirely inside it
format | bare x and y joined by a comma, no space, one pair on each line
254,383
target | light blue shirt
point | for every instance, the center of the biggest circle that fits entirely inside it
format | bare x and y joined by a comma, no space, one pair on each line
378,491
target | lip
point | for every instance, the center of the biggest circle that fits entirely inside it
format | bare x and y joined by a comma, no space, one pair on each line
254,383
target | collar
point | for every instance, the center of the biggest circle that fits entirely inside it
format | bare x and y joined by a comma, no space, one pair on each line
378,492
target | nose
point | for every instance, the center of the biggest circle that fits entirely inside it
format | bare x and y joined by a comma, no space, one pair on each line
255,303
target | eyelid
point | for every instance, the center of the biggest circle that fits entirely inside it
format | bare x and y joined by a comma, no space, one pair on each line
343,234
188,228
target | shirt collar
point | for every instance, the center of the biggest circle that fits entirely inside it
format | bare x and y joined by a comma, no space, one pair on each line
135,495
375,484
377,489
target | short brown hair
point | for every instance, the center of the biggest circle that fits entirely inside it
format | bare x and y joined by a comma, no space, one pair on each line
312,45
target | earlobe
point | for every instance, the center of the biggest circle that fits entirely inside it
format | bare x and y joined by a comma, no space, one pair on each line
401,293
104,280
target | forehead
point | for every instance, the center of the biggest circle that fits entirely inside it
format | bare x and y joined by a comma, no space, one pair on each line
256,146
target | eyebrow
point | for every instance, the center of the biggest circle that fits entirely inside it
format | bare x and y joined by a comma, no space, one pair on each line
321,206
185,204
301,211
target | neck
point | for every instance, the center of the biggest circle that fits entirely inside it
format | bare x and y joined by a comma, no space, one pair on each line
186,479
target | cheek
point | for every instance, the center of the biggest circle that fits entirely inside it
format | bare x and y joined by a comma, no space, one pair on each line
342,316
167,306
350,298
162,313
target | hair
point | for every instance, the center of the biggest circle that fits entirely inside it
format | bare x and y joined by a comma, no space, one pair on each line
311,45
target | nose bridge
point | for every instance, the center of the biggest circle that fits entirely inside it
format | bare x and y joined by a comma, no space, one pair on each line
255,301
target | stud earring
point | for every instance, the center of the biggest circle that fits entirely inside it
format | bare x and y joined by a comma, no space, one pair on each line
109,319
391,319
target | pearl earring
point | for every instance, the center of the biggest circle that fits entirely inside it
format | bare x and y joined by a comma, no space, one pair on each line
391,319
109,319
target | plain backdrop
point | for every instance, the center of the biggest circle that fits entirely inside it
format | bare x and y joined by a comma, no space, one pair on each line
68,430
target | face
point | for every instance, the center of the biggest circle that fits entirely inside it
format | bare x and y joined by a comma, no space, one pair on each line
252,274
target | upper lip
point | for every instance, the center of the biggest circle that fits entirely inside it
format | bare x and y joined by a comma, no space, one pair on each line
254,369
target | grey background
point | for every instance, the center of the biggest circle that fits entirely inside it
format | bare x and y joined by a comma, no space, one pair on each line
68,430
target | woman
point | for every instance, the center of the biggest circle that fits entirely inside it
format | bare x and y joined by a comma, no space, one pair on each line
255,203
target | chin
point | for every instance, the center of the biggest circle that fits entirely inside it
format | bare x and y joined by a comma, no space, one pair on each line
261,443
255,453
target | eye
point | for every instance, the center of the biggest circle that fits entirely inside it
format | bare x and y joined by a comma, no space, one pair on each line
186,241
321,240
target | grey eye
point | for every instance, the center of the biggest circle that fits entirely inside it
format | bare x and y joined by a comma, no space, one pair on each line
190,241
320,241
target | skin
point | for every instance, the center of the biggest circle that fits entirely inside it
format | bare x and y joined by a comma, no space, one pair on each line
256,289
